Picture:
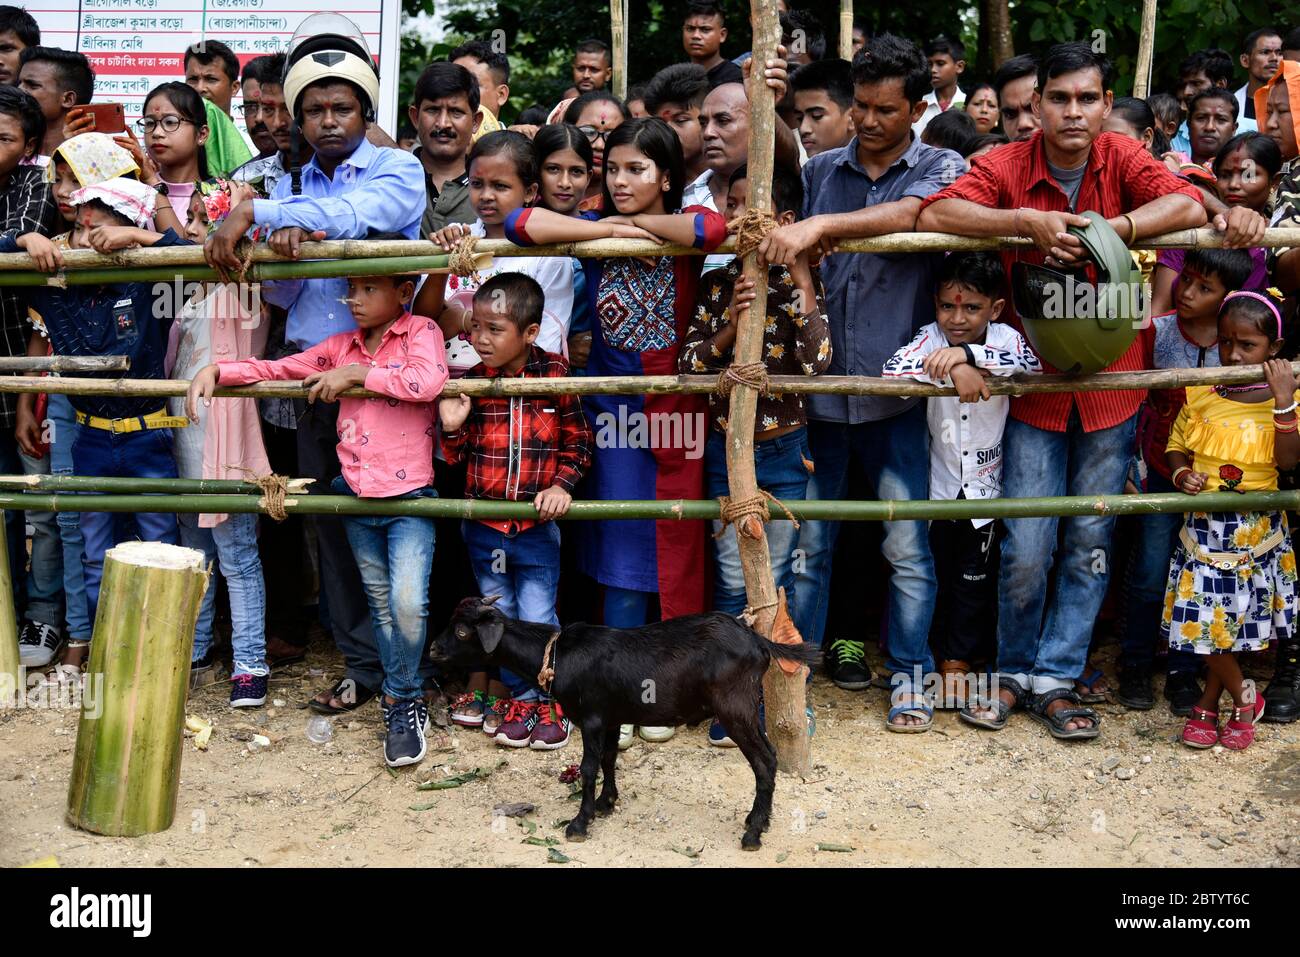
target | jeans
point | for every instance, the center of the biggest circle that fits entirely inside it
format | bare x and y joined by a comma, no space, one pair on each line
524,570
233,545
63,435
779,469
1153,546
394,554
45,578
1042,646
144,454
626,607
895,453
15,523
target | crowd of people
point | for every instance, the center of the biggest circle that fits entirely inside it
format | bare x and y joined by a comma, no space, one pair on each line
899,139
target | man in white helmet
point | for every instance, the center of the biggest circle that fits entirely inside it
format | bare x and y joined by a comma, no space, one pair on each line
350,189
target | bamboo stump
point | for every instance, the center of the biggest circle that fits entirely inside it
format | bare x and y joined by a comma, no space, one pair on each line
127,765
10,669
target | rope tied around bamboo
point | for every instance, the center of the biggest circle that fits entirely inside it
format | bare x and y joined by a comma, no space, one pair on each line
274,489
750,229
742,510
752,374
461,261
244,249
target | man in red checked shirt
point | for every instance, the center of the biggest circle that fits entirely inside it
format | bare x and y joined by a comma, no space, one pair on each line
1062,443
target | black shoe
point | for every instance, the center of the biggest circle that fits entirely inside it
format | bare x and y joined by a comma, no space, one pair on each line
407,723
1182,691
847,669
1135,689
1283,692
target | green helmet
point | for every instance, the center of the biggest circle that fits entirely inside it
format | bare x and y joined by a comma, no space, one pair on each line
1078,326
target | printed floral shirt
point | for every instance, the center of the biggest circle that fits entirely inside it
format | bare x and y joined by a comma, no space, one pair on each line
795,342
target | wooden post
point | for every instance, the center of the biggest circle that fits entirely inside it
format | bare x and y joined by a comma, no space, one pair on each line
846,30
618,33
1146,49
127,766
787,725
11,684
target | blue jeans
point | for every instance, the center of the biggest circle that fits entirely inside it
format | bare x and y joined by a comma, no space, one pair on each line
145,454
63,435
233,545
45,578
524,570
394,554
779,469
1153,545
1044,646
895,453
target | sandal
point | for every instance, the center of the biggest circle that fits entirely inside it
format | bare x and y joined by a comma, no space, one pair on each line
351,693
918,705
1003,709
953,677
1239,732
1056,722
1201,730
1087,682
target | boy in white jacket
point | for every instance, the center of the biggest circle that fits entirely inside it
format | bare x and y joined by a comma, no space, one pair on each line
963,347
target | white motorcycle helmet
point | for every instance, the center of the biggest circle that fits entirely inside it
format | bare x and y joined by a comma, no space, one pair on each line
330,46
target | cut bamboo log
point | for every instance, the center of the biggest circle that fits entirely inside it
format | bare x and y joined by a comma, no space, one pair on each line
142,486
11,676
363,249
783,693
127,765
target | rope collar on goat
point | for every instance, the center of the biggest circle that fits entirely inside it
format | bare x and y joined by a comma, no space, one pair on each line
547,674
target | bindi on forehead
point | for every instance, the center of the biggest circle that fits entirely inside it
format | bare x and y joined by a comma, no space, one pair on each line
958,297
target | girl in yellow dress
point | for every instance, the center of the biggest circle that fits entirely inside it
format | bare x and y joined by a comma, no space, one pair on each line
1232,579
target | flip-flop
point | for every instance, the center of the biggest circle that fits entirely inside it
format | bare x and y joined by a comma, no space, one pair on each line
912,707
359,693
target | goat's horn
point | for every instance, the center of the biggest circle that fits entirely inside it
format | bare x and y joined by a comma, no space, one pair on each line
491,599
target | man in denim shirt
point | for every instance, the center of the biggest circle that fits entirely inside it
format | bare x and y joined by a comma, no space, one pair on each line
875,304
350,189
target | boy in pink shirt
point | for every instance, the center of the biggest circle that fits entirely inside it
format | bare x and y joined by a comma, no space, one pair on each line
386,451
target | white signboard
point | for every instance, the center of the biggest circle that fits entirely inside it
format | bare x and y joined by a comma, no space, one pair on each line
134,45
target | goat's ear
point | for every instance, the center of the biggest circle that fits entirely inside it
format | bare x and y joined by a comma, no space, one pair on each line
490,632
490,600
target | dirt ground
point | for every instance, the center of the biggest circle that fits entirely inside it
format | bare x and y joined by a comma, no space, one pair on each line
956,796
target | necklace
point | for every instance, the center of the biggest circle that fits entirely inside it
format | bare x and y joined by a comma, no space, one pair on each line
1226,390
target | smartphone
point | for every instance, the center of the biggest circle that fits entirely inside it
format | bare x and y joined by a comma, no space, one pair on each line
110,118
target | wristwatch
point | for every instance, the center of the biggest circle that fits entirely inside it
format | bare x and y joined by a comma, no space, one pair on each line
161,187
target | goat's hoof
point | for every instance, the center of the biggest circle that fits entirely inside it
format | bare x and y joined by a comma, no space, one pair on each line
605,806
574,834
751,841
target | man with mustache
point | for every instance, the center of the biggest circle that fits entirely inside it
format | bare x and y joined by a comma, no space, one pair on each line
250,87
444,111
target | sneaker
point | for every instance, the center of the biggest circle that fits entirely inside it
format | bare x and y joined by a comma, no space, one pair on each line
847,667
626,736
552,729
467,709
656,733
406,722
494,713
206,671
516,730
38,644
718,736
1135,689
1182,691
248,691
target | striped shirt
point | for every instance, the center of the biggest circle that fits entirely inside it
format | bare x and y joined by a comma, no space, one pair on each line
26,206
1120,177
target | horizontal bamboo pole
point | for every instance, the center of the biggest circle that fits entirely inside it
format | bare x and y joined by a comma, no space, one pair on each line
60,364
97,484
361,249
307,269
665,509
666,384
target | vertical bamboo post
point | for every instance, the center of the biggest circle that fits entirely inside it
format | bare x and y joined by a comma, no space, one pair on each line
783,693
618,33
1146,49
127,766
10,671
846,30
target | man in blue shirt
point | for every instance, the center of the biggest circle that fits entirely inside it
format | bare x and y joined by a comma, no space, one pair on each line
875,304
349,190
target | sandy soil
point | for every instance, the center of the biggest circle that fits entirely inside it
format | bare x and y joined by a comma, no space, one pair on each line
955,796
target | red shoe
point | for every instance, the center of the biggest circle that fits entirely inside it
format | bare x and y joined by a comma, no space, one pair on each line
1201,729
516,730
552,729
1239,733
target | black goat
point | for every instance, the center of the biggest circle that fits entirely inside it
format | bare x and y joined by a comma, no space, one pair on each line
670,673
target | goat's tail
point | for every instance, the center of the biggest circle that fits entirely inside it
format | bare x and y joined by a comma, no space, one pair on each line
802,652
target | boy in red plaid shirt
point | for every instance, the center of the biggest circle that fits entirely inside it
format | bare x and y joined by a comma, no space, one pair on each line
518,448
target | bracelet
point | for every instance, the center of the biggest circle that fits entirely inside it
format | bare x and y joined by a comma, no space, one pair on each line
1294,427
1174,477
1133,229
1015,223
1289,408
